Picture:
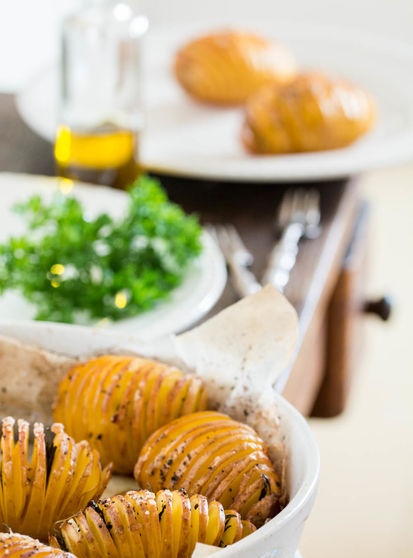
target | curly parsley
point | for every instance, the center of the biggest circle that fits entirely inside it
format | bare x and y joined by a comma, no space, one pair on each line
71,266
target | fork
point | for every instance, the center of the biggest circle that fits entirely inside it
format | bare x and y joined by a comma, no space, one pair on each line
298,216
237,257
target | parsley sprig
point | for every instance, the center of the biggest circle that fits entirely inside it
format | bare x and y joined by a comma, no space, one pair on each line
73,268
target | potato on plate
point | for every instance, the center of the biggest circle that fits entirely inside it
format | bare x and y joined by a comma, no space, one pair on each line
312,112
227,66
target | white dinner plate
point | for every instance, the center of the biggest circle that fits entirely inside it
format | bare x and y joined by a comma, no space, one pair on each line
188,303
185,138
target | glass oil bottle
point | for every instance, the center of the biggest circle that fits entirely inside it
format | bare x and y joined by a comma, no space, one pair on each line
101,113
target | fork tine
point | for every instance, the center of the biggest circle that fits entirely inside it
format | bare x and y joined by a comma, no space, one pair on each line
238,244
223,238
295,204
300,205
313,214
238,258
300,202
284,211
231,244
314,202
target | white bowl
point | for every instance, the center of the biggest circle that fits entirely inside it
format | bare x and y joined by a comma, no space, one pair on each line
279,537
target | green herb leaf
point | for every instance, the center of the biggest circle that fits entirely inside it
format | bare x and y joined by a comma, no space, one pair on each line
74,268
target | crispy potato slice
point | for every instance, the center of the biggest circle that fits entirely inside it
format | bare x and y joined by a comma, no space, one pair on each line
164,506
233,528
199,517
216,523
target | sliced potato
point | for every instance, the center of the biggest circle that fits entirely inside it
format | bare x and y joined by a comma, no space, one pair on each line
140,524
226,66
57,480
116,402
211,454
313,112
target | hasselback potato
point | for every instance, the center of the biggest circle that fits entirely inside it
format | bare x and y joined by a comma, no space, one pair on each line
227,66
312,112
140,524
14,545
46,482
211,454
116,402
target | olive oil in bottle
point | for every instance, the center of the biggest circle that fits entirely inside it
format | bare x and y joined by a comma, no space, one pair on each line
107,155
101,114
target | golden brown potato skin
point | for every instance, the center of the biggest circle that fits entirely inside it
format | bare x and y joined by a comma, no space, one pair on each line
142,524
210,453
226,67
310,113
116,401
47,482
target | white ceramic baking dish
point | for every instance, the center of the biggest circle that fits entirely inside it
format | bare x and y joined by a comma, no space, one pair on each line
279,537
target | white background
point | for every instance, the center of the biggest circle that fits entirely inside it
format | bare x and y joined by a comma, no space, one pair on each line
29,28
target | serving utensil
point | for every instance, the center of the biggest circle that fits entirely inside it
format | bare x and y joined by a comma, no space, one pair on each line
298,216
238,258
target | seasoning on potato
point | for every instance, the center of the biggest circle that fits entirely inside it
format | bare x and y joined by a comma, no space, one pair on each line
48,482
212,454
141,523
117,402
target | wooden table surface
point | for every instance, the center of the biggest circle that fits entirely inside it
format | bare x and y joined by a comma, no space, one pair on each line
250,207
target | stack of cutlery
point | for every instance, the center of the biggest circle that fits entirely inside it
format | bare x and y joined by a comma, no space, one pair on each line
297,217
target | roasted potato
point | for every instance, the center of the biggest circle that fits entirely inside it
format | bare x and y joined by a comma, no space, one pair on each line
116,402
140,524
312,112
226,67
209,453
48,482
